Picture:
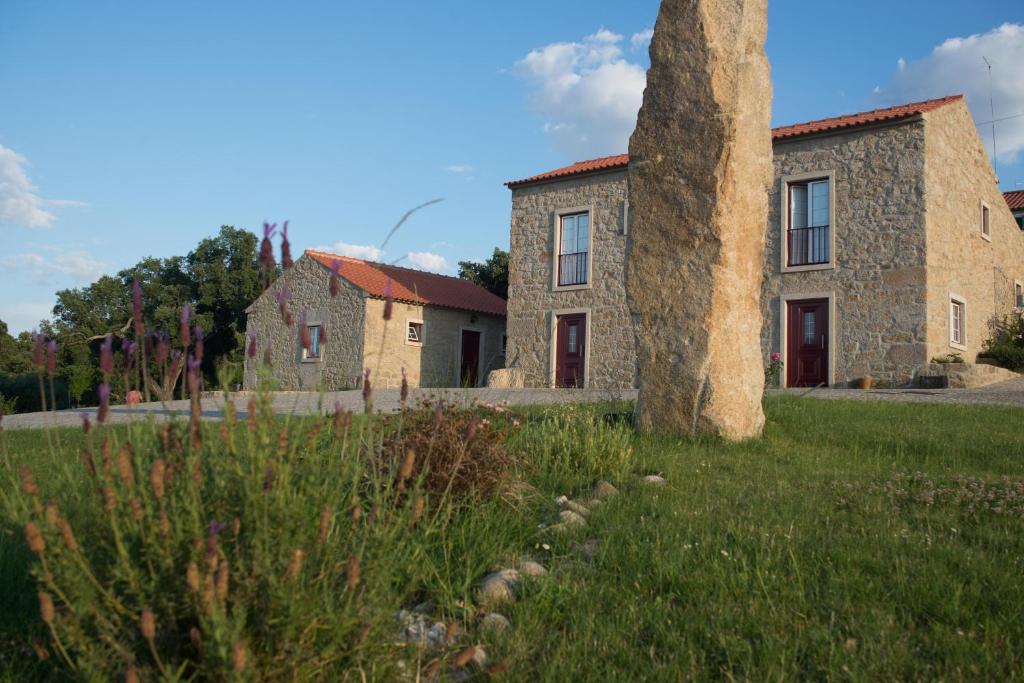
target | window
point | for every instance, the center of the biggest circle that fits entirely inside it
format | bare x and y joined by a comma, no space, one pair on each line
808,237
1019,217
1018,294
573,245
957,323
986,222
414,333
314,342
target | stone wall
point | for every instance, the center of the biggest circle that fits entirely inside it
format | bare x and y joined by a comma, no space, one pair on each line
435,363
878,276
960,261
532,299
341,362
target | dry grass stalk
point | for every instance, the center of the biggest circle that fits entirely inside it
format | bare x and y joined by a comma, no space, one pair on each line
46,607
223,577
239,657
352,573
69,536
34,538
124,465
147,624
192,577
28,482
325,523
464,656
156,478
295,566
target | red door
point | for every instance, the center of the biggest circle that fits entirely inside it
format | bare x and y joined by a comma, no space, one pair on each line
807,343
469,365
570,337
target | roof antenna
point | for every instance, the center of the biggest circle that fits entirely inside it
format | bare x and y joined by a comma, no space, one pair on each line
992,107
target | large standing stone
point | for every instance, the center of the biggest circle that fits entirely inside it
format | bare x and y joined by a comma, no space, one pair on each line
700,167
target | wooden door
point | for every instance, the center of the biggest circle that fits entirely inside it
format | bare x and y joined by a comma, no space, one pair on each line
469,364
571,336
807,343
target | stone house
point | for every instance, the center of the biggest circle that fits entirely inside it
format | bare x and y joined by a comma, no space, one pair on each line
443,331
888,244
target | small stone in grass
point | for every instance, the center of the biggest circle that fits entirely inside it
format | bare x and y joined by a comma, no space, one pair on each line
588,549
561,501
653,480
494,622
570,518
532,569
498,588
578,508
603,489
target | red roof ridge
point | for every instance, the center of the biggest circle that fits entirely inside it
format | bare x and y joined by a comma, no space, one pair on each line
381,280
901,111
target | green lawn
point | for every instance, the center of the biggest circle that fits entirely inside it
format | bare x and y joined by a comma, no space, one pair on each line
855,541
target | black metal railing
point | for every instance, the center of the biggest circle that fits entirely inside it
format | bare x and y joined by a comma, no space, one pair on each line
808,246
572,269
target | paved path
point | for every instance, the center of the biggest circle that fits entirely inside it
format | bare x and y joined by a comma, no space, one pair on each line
308,403
1009,393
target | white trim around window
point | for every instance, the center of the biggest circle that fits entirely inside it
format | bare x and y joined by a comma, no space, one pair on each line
784,219
556,242
553,345
420,333
784,300
986,221
1018,294
303,356
957,322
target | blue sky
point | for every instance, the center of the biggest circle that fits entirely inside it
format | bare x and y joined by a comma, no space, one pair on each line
135,129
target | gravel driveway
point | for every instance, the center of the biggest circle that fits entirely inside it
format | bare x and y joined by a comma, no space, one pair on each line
308,403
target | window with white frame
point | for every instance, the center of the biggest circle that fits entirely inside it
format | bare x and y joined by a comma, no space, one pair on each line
808,233
957,322
573,249
414,333
986,221
1018,294
313,351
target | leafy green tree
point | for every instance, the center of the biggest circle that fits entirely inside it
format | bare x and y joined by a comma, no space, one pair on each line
491,274
15,354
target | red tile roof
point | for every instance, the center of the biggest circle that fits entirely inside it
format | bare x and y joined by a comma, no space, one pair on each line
412,286
784,133
1014,199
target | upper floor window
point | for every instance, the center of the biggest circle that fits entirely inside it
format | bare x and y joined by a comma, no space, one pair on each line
573,249
414,333
314,343
986,221
808,234
957,322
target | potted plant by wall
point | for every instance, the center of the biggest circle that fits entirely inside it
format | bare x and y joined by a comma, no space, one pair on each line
773,371
866,382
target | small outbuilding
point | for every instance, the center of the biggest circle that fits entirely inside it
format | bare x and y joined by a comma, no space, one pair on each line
443,331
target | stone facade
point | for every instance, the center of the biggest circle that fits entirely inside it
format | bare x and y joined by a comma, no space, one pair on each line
906,227
961,262
534,300
360,338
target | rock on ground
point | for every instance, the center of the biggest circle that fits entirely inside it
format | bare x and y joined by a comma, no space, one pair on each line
602,490
498,588
699,173
532,569
653,480
495,622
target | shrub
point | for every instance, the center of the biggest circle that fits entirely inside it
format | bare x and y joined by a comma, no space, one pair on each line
1005,347
281,546
24,390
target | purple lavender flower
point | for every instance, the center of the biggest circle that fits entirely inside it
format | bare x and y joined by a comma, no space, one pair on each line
51,358
266,248
404,395
86,424
252,345
38,351
137,307
107,356
183,331
104,394
163,348
367,392
286,248
304,337
198,333
335,274
388,303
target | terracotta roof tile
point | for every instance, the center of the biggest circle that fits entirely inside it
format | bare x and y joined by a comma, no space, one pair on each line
784,133
413,286
1014,199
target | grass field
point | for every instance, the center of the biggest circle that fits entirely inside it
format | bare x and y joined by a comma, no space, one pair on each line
855,541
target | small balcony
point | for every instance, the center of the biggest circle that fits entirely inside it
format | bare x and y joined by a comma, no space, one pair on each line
572,269
808,246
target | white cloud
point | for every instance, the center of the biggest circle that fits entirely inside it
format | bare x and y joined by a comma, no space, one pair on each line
587,91
67,203
459,168
79,266
19,203
424,260
956,66
363,251
642,39
24,316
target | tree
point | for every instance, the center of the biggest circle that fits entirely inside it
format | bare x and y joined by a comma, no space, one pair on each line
491,274
15,354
